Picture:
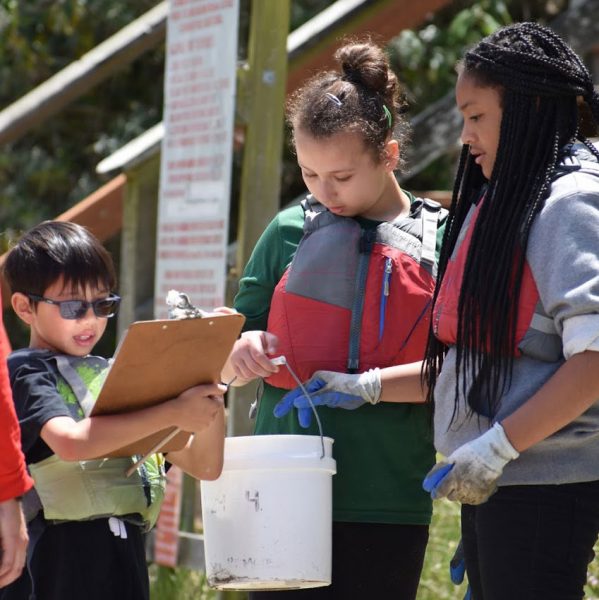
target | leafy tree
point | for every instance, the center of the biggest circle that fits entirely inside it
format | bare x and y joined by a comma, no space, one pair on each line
425,59
53,165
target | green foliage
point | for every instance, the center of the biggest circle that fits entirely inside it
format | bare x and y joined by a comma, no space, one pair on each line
425,59
53,166
183,584
435,583
304,10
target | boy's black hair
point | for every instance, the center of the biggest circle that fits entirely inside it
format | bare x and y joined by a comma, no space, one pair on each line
364,97
539,78
55,249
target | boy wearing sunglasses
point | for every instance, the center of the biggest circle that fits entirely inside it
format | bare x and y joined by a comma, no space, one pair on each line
86,518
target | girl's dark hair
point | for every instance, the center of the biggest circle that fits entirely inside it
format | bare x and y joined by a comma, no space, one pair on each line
363,97
55,249
539,78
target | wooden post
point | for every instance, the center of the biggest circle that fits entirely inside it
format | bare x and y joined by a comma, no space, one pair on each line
138,244
264,98
262,94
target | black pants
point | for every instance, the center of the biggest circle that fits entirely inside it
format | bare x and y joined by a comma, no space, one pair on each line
82,560
369,561
531,542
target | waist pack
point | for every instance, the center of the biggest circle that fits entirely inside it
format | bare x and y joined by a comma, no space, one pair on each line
84,490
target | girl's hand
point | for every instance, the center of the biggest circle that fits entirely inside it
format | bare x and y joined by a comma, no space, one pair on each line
335,390
197,407
249,360
469,475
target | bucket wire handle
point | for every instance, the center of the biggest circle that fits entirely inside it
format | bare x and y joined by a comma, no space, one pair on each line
281,360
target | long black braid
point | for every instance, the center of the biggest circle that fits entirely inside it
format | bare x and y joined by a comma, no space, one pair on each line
539,78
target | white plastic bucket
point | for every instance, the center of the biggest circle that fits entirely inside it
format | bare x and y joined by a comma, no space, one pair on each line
268,517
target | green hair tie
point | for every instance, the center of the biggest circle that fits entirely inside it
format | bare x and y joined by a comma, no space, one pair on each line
388,115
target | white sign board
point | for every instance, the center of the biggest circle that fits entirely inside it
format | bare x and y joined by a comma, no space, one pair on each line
195,171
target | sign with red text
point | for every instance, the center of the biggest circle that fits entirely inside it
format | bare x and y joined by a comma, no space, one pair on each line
166,541
195,171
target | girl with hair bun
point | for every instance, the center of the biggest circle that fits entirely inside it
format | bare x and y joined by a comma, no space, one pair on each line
344,283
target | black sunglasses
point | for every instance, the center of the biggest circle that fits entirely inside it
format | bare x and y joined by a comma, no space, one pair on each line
76,309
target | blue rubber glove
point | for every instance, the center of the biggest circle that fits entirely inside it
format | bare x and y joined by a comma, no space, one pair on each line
304,415
435,476
457,565
457,569
335,390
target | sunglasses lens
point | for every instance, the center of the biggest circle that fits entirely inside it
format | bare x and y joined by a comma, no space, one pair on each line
73,309
107,307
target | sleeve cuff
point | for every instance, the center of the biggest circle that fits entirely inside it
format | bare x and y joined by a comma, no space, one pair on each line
580,334
15,484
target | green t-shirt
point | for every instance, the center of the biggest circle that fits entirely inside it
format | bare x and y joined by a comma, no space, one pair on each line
383,451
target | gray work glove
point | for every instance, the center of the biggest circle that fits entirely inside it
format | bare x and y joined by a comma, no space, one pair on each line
469,475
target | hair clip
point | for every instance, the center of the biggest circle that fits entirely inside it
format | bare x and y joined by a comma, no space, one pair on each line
333,98
388,115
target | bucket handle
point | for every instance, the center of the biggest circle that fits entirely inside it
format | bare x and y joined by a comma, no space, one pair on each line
281,360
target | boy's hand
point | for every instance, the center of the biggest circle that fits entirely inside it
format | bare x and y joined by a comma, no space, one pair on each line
249,359
197,407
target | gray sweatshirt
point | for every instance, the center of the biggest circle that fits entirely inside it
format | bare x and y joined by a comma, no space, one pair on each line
563,254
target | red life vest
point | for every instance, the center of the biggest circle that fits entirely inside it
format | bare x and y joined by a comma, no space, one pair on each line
536,334
352,298
445,312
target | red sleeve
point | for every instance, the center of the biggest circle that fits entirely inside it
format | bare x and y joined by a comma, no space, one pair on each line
14,479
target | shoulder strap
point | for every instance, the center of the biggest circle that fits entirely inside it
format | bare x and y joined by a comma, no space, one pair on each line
308,202
367,239
576,157
316,215
70,375
311,207
430,214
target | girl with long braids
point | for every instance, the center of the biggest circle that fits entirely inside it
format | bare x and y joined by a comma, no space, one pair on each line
512,364
344,282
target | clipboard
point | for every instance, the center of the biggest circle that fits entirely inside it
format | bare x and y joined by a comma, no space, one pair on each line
157,360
